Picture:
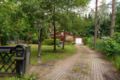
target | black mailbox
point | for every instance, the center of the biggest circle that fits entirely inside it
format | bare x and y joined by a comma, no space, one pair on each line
14,60
20,59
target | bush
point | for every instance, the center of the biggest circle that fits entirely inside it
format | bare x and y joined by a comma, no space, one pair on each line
85,40
4,40
89,41
116,61
110,47
34,39
106,45
50,41
116,37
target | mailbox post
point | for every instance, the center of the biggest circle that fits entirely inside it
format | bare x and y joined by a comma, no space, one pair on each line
22,59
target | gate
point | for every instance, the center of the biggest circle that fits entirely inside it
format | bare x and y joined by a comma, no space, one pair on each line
13,60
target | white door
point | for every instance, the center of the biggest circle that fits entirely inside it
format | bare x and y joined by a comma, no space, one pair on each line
78,41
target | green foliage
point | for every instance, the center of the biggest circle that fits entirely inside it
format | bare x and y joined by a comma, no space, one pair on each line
104,21
34,38
14,23
25,77
50,41
20,19
106,45
111,47
116,37
116,62
88,41
75,24
104,28
118,18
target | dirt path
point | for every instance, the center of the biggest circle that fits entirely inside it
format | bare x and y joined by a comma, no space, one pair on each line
84,65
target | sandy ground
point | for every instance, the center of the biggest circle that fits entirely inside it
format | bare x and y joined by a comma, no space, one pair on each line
86,64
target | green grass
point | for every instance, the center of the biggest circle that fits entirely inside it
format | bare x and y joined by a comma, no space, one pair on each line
25,77
116,61
49,55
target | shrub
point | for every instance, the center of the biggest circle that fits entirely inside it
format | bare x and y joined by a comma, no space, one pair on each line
116,61
4,40
89,41
85,40
116,37
106,45
34,39
110,47
50,41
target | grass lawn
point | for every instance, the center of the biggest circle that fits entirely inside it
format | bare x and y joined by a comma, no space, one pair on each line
25,77
116,61
49,55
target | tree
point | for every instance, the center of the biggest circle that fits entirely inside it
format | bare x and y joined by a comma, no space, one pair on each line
22,18
103,19
12,21
65,7
113,18
96,23
118,18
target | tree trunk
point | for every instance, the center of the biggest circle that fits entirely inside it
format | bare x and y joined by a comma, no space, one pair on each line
17,40
54,35
63,46
96,25
54,25
0,41
39,42
1,36
113,19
